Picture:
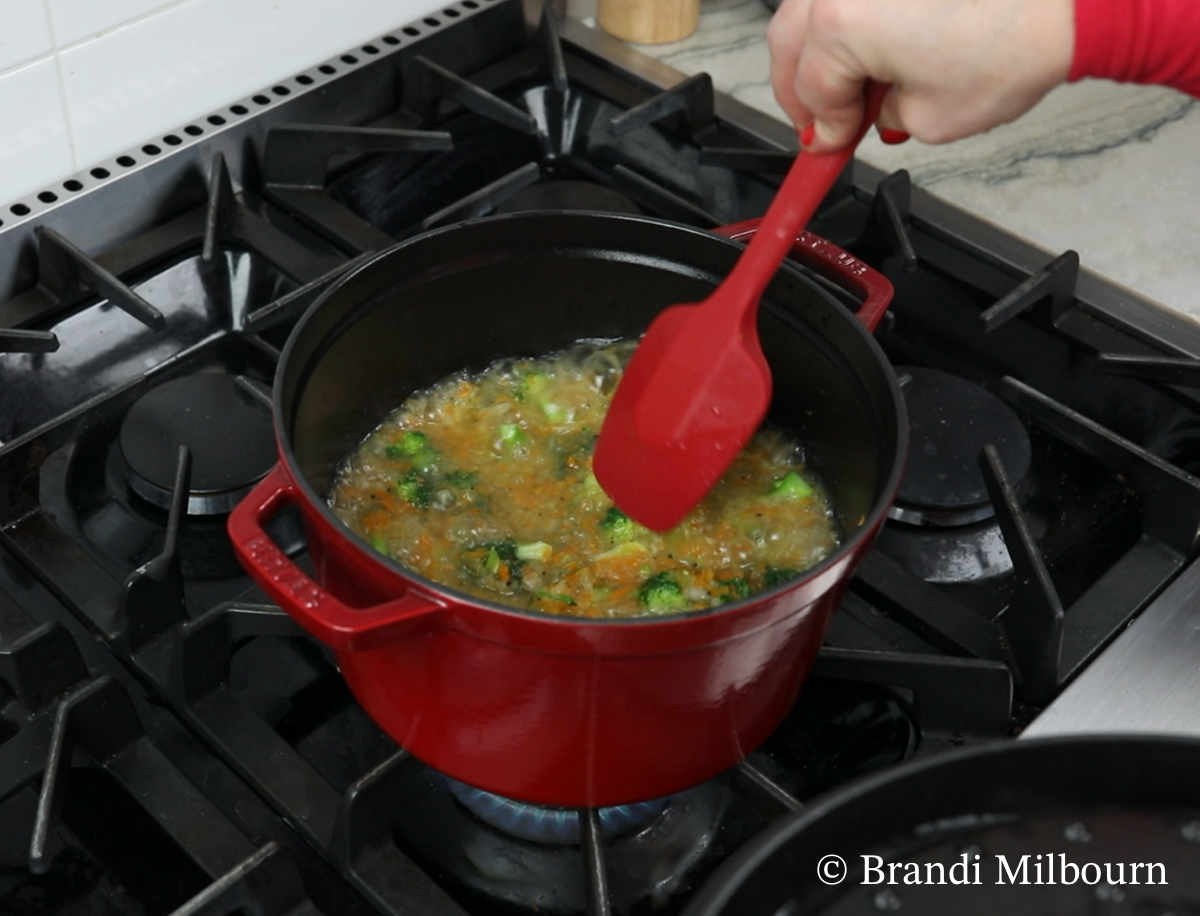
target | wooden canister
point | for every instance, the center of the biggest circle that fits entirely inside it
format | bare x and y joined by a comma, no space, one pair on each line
649,22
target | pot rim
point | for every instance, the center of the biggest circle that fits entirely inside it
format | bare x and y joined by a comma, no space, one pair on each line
448,596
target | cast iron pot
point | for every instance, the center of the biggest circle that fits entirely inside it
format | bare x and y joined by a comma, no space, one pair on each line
549,709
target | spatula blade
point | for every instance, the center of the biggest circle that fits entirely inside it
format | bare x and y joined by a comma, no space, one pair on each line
687,404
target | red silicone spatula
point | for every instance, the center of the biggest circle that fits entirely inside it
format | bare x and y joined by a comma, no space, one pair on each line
698,386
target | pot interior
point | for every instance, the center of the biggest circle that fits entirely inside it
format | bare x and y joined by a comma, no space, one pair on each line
529,284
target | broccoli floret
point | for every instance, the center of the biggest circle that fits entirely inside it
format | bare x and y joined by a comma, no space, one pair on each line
493,561
536,386
734,589
791,486
619,526
661,593
414,490
425,460
773,576
416,448
534,383
506,549
554,596
462,479
511,436
411,443
556,413
496,561
537,550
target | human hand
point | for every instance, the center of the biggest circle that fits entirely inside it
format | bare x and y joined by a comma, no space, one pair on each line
957,67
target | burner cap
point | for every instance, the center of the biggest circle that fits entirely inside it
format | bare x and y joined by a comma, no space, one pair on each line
231,438
950,421
568,194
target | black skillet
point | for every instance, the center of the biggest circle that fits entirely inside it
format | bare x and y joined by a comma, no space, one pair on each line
1102,800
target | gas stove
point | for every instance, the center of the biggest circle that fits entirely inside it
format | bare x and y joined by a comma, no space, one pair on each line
172,742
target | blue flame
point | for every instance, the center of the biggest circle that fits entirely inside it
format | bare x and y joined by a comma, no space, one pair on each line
542,824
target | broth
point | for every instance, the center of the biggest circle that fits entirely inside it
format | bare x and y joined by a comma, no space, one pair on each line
483,483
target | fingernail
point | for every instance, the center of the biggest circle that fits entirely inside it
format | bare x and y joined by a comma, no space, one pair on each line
892,137
808,135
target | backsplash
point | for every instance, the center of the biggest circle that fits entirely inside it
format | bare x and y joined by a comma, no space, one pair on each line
81,80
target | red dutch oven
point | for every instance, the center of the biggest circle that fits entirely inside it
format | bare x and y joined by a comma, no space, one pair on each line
549,709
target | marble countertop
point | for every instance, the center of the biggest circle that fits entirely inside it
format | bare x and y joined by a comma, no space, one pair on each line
1112,171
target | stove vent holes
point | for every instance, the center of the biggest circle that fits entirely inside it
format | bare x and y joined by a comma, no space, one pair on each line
73,186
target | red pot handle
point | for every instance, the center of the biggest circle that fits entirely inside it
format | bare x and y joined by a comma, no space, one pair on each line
345,628
840,266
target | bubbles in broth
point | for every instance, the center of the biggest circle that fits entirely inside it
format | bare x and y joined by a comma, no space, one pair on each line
484,483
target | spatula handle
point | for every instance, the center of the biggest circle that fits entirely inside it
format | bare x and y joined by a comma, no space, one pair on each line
805,186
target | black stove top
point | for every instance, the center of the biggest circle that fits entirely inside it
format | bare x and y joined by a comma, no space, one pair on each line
170,741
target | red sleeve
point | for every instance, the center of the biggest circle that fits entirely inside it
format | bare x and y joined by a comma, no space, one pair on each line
1139,41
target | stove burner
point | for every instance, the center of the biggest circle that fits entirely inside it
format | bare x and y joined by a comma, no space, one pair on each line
839,730
554,826
491,871
945,556
568,194
231,438
950,421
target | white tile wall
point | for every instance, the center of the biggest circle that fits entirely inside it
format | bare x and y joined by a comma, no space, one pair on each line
35,147
24,32
83,79
79,20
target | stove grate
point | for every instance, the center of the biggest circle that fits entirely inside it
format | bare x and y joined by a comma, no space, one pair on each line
964,695
1056,281
152,598
427,85
79,744
1169,511
1172,370
692,98
296,165
889,220
65,269
17,340
265,884
658,199
68,278
486,199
